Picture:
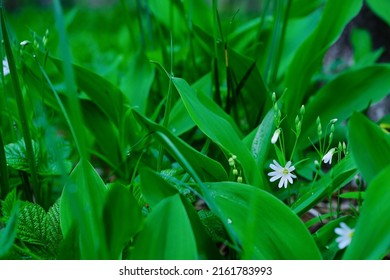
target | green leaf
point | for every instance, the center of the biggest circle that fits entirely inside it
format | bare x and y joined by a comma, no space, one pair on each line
122,219
262,140
336,178
325,237
205,167
53,228
381,8
81,208
8,205
371,239
167,238
105,95
266,227
138,81
308,57
218,128
16,155
154,188
31,225
8,233
349,92
353,195
371,149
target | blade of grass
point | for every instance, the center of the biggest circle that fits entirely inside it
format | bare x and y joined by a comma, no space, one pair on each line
70,83
4,183
21,109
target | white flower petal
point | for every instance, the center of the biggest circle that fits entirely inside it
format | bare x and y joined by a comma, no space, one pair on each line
273,179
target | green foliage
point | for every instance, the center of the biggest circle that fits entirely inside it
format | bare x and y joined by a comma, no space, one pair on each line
381,8
105,154
372,227
376,157
39,231
271,231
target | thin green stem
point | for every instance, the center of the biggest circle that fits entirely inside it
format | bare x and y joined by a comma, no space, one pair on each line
279,50
75,115
21,109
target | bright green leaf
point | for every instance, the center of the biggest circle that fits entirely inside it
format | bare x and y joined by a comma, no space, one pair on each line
370,146
371,239
266,227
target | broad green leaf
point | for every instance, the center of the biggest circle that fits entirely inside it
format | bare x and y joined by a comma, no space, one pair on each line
261,141
8,233
325,237
105,95
53,228
381,8
138,81
308,57
351,91
205,167
266,228
363,55
168,238
154,188
371,239
301,8
31,224
370,146
122,219
8,205
219,129
16,155
81,207
337,177
104,132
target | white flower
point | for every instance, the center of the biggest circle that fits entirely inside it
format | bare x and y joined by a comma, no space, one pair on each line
5,67
328,157
282,173
345,235
275,136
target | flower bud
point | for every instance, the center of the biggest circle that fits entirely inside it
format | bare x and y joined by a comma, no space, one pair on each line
275,137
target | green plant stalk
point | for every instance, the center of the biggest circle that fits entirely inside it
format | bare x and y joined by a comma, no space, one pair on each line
274,43
217,30
279,50
21,110
75,114
128,25
4,183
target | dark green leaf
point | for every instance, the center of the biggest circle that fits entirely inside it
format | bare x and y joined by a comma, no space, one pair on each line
122,219
214,123
16,155
266,227
8,233
371,239
170,238
370,146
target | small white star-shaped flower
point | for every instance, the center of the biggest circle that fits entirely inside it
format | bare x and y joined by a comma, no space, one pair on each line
345,235
282,173
328,156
